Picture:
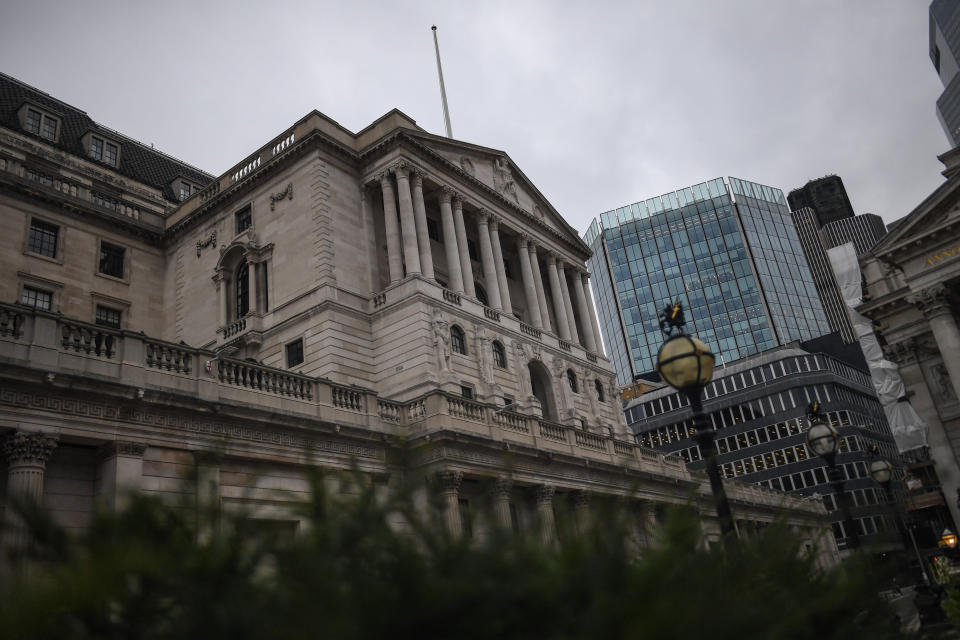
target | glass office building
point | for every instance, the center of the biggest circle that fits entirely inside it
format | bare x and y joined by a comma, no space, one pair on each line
728,251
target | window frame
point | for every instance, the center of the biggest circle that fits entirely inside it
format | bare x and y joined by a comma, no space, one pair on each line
598,387
286,352
44,118
572,381
241,289
499,354
458,340
247,212
106,308
102,149
23,291
58,243
124,261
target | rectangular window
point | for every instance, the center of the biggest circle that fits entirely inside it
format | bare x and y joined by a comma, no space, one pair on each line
295,353
107,317
32,121
96,148
244,219
43,238
466,392
111,260
49,130
36,298
110,154
184,191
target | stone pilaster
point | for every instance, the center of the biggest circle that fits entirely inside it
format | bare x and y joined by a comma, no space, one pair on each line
486,259
120,473
392,228
538,283
567,302
222,285
559,310
465,267
449,482
934,302
505,302
420,218
27,453
548,526
529,287
450,240
591,311
408,225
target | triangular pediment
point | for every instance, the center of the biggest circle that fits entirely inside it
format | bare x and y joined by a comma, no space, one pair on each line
495,170
939,209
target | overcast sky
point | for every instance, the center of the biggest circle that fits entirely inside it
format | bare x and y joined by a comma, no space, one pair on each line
600,104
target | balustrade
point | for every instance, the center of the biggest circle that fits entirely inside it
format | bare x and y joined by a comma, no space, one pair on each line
552,431
168,357
235,327
511,421
416,410
11,323
284,144
590,440
623,448
465,409
452,297
246,169
88,339
390,411
492,314
533,332
564,345
261,378
592,357
379,300
347,399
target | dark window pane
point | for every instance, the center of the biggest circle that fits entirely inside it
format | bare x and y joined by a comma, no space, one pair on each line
572,380
243,289
458,341
110,154
43,238
295,353
32,122
111,260
499,355
49,128
466,392
599,387
36,298
244,219
96,148
107,317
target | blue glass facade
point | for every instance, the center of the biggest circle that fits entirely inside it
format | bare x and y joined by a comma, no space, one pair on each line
729,254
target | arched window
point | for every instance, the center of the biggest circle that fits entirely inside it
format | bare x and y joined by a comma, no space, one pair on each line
572,380
458,341
499,354
242,281
599,387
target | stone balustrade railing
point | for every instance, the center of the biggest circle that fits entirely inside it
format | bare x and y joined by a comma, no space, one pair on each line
171,357
533,332
235,327
466,409
491,314
262,378
347,398
89,339
11,322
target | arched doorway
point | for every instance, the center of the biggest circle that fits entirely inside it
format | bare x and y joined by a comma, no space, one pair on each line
542,388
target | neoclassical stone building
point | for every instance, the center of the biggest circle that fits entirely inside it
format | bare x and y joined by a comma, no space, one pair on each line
912,279
331,295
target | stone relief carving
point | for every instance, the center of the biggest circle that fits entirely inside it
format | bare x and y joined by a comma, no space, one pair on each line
943,388
484,349
23,447
210,240
467,165
932,300
441,340
280,195
503,179
537,212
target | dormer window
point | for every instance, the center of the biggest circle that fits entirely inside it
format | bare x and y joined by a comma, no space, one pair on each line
185,191
39,123
104,151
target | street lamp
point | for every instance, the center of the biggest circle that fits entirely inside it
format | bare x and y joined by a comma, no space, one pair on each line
686,364
948,539
824,440
882,473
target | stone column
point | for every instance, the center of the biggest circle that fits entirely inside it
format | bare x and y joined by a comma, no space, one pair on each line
392,226
548,526
934,302
581,511
120,473
529,287
498,266
450,490
222,286
450,240
501,503
538,283
559,312
585,324
591,310
27,453
420,218
464,249
567,303
408,226
486,259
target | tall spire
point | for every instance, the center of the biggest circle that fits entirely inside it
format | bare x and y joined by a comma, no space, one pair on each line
443,91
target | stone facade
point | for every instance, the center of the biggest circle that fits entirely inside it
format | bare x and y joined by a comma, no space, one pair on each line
330,294
912,292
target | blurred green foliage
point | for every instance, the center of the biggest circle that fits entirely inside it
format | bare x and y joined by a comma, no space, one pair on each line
154,570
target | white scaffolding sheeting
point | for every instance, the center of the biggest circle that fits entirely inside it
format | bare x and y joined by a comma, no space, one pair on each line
908,428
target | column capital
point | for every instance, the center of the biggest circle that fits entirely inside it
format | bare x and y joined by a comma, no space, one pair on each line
483,216
502,487
29,447
544,493
495,221
552,259
417,175
581,498
932,301
449,481
122,448
446,193
902,353
384,179
401,169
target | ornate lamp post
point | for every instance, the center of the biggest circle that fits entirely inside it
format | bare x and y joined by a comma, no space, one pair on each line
686,364
824,440
882,473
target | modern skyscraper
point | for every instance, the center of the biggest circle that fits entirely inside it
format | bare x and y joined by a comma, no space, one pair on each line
728,252
944,50
826,196
864,231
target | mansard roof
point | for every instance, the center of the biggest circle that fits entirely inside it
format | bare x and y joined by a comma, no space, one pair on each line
137,160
